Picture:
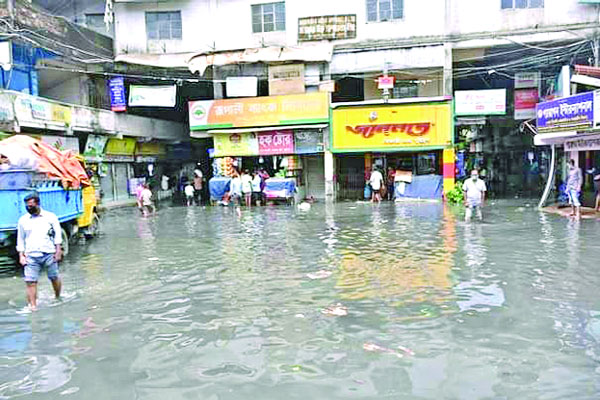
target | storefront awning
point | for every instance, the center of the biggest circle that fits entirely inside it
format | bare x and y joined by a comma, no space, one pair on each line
314,52
546,139
268,128
177,60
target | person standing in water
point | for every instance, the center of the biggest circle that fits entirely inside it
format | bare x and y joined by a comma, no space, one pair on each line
474,191
247,187
574,182
39,242
376,181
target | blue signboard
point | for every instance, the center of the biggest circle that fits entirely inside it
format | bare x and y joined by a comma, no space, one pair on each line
118,101
574,112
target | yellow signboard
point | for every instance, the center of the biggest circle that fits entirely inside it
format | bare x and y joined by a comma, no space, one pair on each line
235,145
395,127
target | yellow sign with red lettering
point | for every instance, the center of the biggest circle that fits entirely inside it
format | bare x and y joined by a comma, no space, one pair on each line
394,127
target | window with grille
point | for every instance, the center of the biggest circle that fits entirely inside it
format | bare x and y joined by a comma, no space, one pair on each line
404,89
163,25
510,4
269,17
384,10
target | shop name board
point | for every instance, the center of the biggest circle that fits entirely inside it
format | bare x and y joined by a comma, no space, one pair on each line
259,111
525,103
116,87
480,102
583,144
367,131
566,113
377,128
328,27
275,143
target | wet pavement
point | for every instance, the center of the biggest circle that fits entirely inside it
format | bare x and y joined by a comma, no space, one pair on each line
347,301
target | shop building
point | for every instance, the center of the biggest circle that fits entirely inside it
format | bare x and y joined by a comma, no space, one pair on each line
570,126
273,133
414,137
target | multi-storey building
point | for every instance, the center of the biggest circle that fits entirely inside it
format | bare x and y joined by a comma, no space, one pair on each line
436,50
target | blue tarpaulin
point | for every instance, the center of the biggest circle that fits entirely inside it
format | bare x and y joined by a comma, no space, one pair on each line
422,187
279,187
218,186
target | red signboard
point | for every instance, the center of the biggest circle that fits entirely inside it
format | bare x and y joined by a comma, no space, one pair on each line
525,102
386,82
275,143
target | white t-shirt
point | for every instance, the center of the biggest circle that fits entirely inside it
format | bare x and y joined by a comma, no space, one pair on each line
146,197
376,180
246,183
236,186
474,189
256,181
189,191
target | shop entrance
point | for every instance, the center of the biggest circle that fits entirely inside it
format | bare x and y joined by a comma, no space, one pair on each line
353,174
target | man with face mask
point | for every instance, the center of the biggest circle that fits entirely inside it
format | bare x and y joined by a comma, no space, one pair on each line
474,191
39,245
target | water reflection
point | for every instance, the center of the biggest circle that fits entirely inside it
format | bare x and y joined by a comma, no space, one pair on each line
205,301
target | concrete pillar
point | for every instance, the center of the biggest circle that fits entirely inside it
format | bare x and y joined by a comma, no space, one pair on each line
330,189
449,169
447,78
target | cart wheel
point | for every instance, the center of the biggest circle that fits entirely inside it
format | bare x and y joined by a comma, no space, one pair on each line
65,242
94,229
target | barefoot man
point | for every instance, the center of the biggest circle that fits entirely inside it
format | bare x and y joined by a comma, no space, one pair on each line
39,245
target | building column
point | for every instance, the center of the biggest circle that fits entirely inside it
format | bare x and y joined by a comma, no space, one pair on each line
447,78
330,190
449,162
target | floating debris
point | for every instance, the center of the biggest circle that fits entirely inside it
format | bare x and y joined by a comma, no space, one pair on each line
153,259
336,310
322,274
380,349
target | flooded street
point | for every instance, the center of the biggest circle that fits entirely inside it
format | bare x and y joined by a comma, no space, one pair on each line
344,301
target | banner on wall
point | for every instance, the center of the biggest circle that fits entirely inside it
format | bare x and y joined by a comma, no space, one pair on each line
235,144
152,96
574,112
94,148
480,102
392,127
309,141
116,88
295,109
275,143
525,103
62,143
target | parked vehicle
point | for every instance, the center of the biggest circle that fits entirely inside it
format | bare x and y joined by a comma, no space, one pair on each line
76,209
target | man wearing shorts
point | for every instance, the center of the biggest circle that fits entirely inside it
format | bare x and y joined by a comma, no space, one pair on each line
474,191
39,245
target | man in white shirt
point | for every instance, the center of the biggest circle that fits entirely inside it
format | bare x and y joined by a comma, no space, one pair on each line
474,191
376,181
147,203
189,194
39,245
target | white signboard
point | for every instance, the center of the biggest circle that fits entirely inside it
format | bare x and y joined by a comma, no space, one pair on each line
524,80
62,143
480,102
242,86
152,96
584,143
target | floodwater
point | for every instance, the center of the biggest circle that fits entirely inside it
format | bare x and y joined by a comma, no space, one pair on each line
344,301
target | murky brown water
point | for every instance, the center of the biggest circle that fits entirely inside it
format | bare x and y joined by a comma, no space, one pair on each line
200,304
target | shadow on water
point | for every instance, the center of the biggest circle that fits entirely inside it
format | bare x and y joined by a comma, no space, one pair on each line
338,301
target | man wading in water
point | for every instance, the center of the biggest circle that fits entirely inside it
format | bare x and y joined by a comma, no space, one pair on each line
39,245
474,191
